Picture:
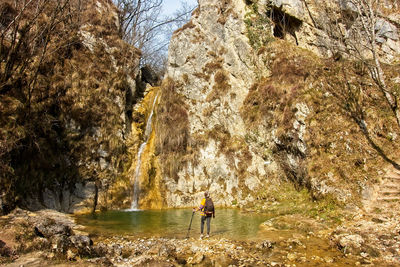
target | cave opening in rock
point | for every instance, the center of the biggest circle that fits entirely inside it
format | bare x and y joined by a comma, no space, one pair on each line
284,24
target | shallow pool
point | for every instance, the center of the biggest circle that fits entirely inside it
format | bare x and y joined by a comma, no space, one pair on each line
229,223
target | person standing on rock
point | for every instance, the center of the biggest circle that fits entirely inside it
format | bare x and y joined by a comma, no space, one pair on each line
207,211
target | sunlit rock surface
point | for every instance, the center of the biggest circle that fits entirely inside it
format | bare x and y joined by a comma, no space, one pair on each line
255,102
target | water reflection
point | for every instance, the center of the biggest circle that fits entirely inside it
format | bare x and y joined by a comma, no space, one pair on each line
228,223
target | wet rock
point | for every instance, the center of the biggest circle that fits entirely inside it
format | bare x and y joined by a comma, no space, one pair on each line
82,244
48,228
266,244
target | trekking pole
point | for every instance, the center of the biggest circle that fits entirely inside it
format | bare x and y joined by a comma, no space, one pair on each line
190,225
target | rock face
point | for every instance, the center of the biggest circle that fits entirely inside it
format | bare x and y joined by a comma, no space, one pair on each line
80,199
252,104
309,24
212,58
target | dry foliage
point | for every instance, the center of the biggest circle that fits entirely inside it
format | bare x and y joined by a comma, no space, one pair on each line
172,127
339,94
221,86
212,67
60,113
270,100
188,25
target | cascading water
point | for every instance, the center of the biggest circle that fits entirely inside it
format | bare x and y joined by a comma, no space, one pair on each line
147,133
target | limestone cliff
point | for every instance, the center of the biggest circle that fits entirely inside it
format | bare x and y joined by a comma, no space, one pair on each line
310,24
260,100
211,64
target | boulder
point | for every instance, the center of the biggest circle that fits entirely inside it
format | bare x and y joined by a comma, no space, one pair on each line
385,30
350,243
71,256
60,244
6,251
101,249
48,228
82,243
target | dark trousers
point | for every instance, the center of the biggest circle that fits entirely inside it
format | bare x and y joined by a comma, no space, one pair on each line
208,219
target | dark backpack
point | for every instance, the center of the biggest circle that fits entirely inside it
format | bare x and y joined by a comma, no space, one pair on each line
209,206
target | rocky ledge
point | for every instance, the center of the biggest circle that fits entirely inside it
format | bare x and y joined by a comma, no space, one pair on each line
51,232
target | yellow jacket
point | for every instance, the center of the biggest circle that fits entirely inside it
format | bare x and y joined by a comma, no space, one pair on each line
202,206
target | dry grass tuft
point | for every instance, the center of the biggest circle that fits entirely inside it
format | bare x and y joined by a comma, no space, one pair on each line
213,66
188,25
265,100
221,86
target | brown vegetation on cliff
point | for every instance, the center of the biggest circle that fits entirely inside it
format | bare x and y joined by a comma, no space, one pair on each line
172,127
62,94
338,152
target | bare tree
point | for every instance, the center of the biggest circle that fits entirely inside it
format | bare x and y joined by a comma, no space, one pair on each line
143,25
356,31
26,35
136,18
32,34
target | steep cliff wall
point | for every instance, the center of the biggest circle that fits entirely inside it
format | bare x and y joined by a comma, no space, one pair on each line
260,106
65,129
211,66
312,24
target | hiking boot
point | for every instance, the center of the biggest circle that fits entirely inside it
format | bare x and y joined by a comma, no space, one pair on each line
207,236
201,236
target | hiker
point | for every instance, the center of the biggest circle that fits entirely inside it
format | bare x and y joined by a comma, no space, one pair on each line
207,211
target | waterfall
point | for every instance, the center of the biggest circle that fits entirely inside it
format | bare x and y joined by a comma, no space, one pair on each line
147,133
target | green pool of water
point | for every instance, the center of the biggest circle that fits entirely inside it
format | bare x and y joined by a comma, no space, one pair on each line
228,223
